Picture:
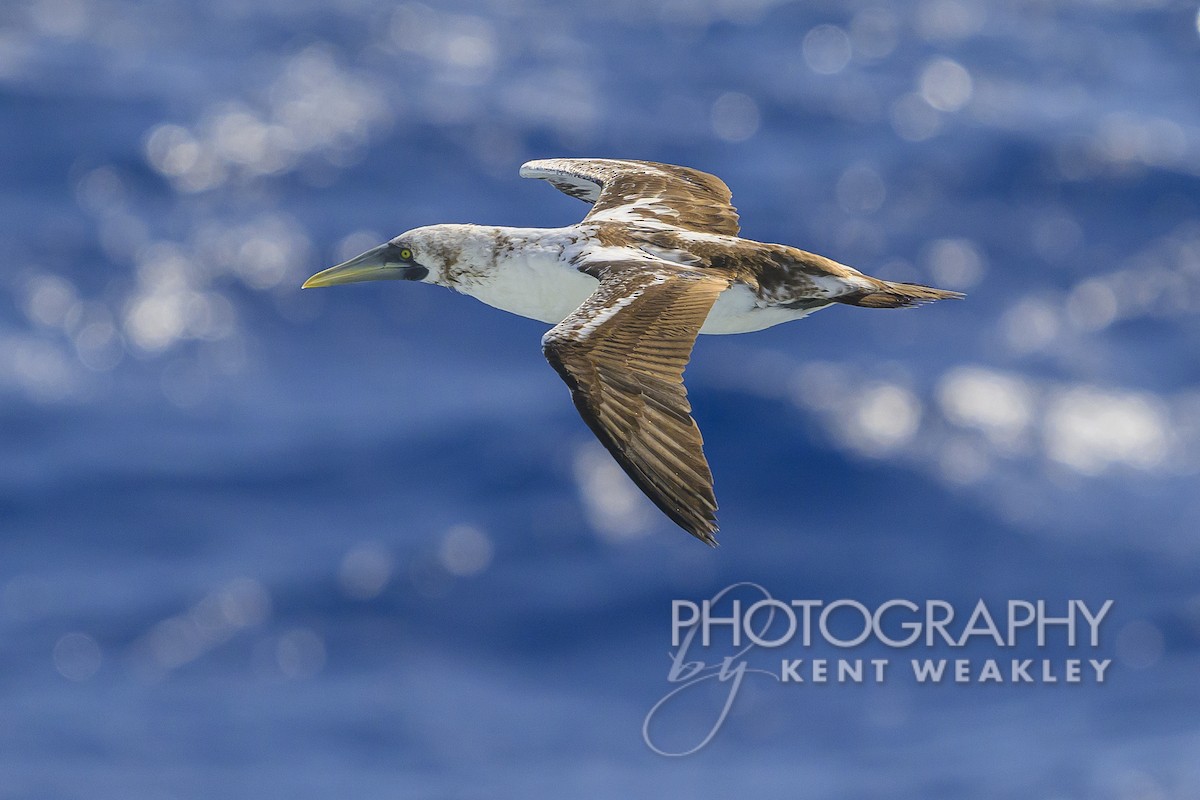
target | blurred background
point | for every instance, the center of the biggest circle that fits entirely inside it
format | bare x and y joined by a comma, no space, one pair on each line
356,542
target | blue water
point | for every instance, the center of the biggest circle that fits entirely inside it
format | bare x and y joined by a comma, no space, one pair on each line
356,542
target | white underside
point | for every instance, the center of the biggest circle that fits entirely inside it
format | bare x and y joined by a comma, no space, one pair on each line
548,290
736,311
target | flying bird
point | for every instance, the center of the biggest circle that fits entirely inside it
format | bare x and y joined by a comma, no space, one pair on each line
656,261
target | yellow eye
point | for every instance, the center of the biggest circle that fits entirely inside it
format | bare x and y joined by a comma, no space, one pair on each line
406,254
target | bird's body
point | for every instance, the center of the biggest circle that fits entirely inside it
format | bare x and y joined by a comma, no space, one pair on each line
542,273
656,262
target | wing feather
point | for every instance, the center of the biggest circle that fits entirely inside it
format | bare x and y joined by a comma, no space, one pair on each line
626,191
625,371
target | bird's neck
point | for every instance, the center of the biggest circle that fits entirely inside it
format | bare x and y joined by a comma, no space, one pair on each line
477,253
525,271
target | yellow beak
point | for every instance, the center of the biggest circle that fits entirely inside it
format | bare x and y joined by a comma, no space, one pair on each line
377,264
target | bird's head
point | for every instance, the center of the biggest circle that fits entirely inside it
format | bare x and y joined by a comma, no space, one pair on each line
422,254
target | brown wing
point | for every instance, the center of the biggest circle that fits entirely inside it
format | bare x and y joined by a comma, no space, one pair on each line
623,353
625,191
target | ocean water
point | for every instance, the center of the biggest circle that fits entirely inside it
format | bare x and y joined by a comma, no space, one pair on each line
355,542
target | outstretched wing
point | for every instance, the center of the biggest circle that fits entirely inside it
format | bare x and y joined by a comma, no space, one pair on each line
625,191
623,353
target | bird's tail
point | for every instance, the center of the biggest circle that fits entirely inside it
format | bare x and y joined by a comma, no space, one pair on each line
886,294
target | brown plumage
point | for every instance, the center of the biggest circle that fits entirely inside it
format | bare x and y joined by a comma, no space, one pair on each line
626,378
624,359
689,199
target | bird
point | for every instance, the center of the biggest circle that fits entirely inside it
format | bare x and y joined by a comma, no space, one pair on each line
656,261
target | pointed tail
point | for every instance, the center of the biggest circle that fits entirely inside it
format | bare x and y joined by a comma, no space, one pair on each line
887,294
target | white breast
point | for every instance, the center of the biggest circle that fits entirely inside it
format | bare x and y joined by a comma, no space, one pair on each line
534,284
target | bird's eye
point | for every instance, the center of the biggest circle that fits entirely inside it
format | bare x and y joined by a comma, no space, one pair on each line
406,254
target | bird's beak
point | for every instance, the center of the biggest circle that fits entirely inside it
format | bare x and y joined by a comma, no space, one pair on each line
372,265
